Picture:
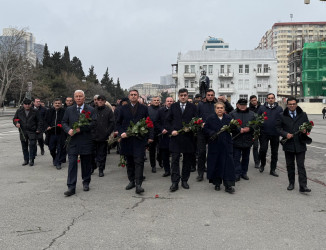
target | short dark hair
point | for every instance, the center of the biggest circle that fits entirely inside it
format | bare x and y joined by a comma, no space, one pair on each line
291,98
133,90
101,97
270,94
252,97
57,99
183,90
210,90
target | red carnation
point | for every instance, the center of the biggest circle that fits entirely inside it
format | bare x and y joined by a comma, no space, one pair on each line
265,113
156,196
239,121
59,125
123,165
88,113
200,121
16,120
150,124
265,118
78,161
312,123
87,116
308,133
83,112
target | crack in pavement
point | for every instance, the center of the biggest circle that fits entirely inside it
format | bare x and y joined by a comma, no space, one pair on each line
148,198
74,220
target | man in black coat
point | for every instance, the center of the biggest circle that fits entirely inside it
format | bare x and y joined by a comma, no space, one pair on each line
133,148
295,146
29,123
55,133
242,142
164,139
179,113
153,114
80,144
269,133
103,127
42,112
205,109
254,107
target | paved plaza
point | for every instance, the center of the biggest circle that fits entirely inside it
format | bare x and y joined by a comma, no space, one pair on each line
261,214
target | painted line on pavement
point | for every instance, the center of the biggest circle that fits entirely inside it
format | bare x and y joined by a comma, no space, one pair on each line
316,147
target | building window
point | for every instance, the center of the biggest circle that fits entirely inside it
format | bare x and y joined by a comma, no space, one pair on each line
246,84
222,69
210,84
259,66
240,69
192,68
205,68
243,97
228,69
222,85
187,84
262,98
187,69
240,84
210,69
247,69
265,68
192,84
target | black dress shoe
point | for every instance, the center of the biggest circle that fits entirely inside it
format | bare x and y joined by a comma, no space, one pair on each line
31,163
237,178
166,174
174,187
153,169
200,177
273,173
193,169
256,165
290,187
86,187
261,169
229,190
42,151
144,177
100,173
217,187
70,192
130,185
205,169
58,166
304,190
25,163
245,177
139,189
185,185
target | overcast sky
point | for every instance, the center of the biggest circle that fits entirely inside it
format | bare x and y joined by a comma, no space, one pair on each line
138,40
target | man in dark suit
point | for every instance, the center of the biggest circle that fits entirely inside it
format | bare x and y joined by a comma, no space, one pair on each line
179,113
80,144
133,147
28,121
42,112
295,146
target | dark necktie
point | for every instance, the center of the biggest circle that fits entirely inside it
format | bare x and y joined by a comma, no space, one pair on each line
182,108
293,114
78,109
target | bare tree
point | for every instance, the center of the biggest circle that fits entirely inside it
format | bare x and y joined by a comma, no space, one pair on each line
12,59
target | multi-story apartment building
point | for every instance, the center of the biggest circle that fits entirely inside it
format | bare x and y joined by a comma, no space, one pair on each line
233,73
213,44
280,37
147,90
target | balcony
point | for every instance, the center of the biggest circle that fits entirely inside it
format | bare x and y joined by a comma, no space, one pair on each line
226,75
189,75
191,90
262,74
262,89
226,90
175,75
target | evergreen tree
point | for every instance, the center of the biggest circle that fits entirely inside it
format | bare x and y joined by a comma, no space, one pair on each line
92,77
66,65
119,90
107,82
57,64
47,62
76,68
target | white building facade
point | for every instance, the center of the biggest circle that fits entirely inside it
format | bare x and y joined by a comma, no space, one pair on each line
233,73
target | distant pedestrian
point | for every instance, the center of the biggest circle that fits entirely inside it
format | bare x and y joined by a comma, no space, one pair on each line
254,107
324,112
42,111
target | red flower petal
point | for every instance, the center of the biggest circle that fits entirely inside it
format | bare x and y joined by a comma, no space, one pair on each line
265,113
265,118
312,123
156,196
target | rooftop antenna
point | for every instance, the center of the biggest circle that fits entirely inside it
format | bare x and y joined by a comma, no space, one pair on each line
291,16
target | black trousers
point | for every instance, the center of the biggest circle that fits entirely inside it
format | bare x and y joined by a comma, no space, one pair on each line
274,141
153,151
255,153
56,144
175,167
165,156
29,148
86,169
290,158
101,153
40,140
135,169
201,147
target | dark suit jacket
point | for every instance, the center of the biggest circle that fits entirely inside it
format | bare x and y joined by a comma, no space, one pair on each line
185,142
164,140
132,146
81,143
29,124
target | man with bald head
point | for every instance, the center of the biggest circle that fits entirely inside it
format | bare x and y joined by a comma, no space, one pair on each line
80,143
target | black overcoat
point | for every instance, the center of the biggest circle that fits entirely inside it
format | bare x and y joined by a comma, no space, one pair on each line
52,119
81,143
286,124
184,142
220,151
29,124
132,146
104,123
164,140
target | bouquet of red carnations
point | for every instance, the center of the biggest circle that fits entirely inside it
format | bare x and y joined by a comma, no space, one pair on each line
234,123
305,128
194,126
257,123
84,120
20,129
140,129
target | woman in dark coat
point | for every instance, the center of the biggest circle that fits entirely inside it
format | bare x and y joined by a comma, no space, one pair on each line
220,165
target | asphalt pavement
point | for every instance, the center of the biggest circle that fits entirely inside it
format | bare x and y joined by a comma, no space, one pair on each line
261,214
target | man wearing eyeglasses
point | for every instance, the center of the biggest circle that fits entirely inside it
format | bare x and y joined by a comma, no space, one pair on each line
269,133
295,146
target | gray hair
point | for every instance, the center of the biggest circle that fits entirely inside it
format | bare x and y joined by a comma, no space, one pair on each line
95,96
79,91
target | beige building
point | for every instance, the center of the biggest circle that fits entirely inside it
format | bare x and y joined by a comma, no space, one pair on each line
280,37
148,90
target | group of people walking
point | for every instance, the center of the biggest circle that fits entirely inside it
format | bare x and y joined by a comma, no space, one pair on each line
82,132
